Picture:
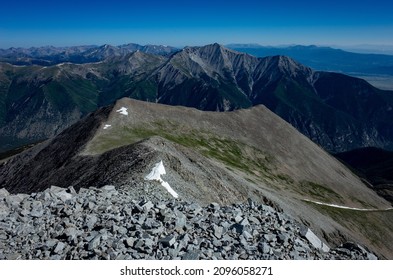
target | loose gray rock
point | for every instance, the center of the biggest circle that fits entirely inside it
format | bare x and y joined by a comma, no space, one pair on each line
114,223
192,255
168,241
4,210
94,243
59,247
247,235
3,193
15,200
71,232
130,242
181,219
63,195
217,231
91,220
264,247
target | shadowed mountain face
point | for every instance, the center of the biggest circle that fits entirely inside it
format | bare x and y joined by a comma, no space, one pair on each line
375,166
336,111
222,157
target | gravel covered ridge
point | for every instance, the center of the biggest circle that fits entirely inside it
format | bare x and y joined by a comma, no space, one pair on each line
110,223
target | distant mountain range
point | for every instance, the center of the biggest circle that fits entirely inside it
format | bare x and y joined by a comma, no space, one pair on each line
336,111
50,55
326,58
318,58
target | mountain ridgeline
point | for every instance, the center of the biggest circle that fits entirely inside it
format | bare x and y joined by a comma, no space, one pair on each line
50,55
336,111
326,58
221,157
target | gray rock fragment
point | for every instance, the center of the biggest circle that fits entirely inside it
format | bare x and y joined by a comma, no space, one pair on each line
59,247
147,205
247,236
130,242
313,239
63,195
37,209
192,255
214,206
270,237
251,203
108,188
264,247
71,232
94,243
15,200
180,219
168,241
55,189
3,193
4,210
50,243
91,220
194,208
217,231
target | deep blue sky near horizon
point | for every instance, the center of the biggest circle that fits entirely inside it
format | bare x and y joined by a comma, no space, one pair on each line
179,23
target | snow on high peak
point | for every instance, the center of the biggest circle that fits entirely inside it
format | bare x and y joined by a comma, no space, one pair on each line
155,175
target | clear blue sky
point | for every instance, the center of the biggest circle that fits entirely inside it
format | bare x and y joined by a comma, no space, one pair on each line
180,23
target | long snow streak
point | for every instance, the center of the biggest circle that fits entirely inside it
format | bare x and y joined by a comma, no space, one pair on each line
155,175
345,207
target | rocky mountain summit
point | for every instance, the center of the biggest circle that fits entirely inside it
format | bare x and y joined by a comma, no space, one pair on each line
113,223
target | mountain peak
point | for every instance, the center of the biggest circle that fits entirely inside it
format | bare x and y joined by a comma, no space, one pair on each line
211,48
288,65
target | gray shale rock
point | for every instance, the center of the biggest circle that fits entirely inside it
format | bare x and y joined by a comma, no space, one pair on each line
111,223
3,193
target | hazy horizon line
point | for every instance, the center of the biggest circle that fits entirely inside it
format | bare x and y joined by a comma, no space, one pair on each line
379,48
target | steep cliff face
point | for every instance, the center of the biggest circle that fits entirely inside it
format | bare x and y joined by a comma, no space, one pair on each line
336,111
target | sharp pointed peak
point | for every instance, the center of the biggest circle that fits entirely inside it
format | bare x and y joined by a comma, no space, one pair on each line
211,48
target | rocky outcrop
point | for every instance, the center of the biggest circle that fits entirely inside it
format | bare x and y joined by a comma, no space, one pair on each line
111,223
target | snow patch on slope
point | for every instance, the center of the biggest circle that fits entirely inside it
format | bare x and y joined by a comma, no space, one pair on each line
123,111
155,175
346,207
107,126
